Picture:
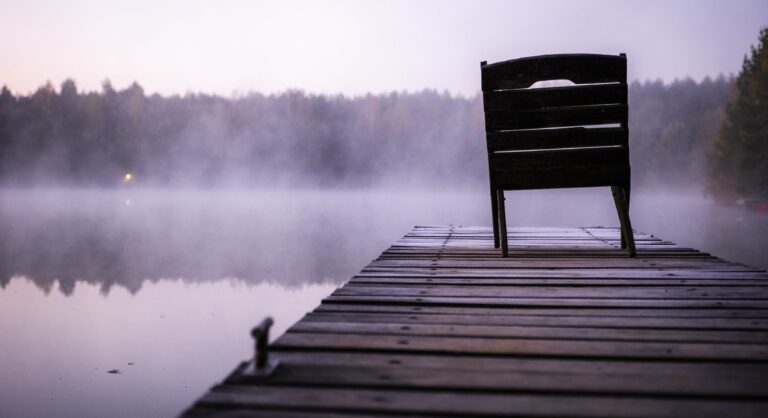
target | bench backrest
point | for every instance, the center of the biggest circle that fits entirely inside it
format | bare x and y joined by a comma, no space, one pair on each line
564,129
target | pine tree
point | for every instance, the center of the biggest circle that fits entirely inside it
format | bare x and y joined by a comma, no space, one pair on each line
739,165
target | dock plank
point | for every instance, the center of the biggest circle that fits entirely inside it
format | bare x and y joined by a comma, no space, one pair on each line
440,325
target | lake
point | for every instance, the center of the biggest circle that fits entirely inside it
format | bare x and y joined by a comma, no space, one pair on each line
162,286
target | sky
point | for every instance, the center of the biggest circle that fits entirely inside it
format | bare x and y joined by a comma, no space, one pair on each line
233,47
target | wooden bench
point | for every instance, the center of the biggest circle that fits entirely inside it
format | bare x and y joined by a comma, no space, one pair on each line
557,137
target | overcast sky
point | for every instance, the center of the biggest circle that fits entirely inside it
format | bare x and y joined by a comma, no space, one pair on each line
354,47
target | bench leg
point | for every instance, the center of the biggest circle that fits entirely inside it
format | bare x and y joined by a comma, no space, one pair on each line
622,207
626,195
495,216
502,223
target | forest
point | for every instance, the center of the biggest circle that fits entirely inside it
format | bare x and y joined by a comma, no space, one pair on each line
67,137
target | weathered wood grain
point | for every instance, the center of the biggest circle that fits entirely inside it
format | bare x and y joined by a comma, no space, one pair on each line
566,326
531,319
747,385
629,312
461,403
526,347
339,326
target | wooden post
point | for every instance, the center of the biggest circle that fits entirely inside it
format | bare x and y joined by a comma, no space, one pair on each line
260,334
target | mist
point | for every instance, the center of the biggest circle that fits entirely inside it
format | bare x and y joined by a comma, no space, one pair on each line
200,141
68,138
116,187
62,239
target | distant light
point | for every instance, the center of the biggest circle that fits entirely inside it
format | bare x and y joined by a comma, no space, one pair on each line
127,201
127,178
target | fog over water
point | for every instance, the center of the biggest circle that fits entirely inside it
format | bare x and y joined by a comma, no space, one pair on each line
163,285
125,237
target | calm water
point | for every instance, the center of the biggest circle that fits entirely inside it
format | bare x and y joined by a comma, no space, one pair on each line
165,285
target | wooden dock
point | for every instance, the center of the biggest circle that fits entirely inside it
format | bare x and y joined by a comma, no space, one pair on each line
568,325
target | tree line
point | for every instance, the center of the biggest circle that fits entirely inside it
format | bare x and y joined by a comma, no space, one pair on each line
739,161
70,137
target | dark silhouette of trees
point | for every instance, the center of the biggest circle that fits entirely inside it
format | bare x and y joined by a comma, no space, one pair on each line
739,163
673,128
91,139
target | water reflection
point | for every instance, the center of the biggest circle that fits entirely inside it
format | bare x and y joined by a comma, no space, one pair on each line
299,237
276,237
170,342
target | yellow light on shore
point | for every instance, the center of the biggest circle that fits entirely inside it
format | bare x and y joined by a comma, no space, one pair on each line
127,178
